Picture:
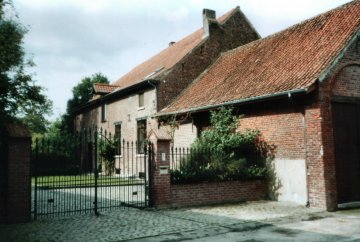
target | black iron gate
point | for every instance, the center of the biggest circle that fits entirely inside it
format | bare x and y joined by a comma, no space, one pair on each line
90,171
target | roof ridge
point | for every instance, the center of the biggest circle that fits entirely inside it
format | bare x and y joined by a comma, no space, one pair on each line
101,83
291,59
221,21
291,27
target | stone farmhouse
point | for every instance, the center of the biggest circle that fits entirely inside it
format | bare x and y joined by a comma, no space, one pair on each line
301,88
125,107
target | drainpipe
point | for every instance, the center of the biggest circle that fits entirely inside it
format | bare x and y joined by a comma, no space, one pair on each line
306,159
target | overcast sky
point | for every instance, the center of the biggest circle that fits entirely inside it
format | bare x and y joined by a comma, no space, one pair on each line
72,39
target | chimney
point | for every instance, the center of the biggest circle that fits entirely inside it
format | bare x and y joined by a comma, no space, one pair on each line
208,16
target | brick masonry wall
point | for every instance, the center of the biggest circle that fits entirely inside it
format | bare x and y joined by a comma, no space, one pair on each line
235,32
218,192
185,135
160,183
343,80
19,181
281,127
17,195
303,129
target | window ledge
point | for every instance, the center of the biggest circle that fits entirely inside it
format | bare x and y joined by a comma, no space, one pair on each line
140,108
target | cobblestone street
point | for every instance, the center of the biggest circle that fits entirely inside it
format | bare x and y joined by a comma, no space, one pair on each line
235,222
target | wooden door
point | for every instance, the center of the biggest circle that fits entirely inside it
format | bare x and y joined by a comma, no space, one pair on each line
346,123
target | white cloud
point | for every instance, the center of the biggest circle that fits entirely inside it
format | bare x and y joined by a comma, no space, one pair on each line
71,39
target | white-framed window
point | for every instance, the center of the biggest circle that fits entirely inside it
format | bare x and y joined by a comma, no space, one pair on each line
117,137
103,112
141,136
141,100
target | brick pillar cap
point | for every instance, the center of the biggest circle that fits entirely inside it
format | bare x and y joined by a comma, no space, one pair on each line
16,130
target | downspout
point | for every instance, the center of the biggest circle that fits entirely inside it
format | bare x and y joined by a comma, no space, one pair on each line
306,159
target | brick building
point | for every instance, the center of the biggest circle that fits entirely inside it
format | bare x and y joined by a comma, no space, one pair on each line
124,107
301,88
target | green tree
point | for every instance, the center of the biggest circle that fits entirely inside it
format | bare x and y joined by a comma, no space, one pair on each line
82,92
222,136
20,97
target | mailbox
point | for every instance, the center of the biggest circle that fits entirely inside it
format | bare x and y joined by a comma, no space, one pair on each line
164,170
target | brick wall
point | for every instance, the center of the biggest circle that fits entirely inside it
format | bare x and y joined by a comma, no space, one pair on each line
281,126
17,194
302,128
185,135
343,80
19,185
235,32
217,192
160,182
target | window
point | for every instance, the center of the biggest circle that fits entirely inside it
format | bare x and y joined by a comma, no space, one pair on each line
103,112
141,136
141,100
117,138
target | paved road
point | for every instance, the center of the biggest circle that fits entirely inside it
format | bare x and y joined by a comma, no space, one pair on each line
255,221
72,200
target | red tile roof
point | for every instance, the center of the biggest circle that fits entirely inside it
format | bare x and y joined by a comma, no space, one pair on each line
289,60
166,58
102,88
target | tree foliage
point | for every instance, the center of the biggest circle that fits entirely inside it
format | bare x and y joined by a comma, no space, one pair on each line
83,91
222,136
81,94
107,151
20,97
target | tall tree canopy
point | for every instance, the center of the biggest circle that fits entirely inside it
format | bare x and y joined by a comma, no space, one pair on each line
20,97
83,91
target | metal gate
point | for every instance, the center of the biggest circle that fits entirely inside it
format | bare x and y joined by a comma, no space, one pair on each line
88,172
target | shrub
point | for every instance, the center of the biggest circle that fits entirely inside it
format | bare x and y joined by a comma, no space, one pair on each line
221,153
108,152
55,164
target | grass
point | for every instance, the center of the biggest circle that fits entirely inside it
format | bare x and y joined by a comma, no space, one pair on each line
51,182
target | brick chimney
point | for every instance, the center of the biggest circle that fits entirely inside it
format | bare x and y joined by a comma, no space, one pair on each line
208,17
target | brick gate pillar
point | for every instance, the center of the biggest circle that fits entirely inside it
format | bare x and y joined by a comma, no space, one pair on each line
18,189
160,188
